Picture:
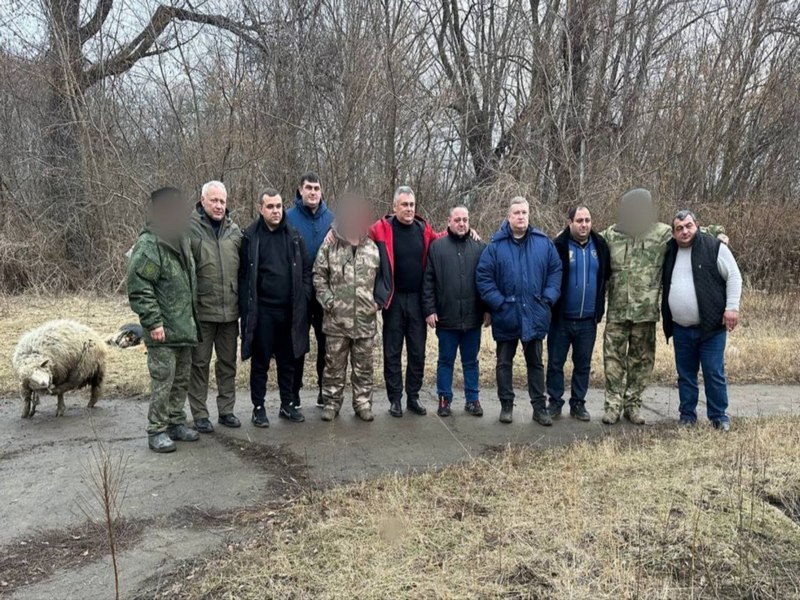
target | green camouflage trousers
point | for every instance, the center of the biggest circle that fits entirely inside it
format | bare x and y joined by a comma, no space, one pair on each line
360,351
629,353
169,368
221,337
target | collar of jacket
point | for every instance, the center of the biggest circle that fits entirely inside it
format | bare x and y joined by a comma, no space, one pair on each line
261,223
458,238
563,238
389,219
505,232
300,205
204,218
175,246
344,240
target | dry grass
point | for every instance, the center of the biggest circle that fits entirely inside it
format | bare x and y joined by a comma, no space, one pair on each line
663,514
766,348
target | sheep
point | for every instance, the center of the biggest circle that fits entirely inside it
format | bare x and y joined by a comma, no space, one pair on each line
55,358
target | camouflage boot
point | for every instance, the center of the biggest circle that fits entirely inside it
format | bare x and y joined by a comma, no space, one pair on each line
633,415
611,416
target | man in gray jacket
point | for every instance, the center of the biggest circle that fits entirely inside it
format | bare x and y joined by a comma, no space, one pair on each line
451,305
215,241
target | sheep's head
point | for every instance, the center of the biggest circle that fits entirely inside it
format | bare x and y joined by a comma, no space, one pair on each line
39,376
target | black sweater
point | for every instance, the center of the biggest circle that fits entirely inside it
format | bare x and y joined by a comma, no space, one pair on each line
274,269
409,244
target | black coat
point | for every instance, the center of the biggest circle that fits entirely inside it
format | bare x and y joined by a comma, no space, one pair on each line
603,274
248,286
448,288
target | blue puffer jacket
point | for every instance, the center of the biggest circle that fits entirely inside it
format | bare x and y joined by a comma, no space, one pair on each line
313,227
520,280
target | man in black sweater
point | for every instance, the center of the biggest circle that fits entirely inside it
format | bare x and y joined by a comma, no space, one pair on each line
274,288
452,306
403,239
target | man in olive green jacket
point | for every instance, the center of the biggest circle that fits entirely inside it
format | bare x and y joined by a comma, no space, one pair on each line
215,241
162,291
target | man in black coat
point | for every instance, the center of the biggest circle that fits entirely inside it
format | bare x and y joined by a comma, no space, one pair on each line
585,264
452,305
274,290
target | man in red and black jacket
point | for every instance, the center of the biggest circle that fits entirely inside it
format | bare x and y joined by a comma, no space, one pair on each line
403,239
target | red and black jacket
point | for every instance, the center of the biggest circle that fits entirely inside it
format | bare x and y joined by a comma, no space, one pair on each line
381,234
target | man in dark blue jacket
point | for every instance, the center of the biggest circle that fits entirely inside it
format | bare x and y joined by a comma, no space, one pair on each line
519,278
311,217
586,267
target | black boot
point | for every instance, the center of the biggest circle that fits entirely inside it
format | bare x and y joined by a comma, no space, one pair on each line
578,411
506,410
160,442
396,408
444,407
414,406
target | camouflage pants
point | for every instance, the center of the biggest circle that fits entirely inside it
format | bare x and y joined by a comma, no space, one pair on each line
360,351
169,380
629,353
221,337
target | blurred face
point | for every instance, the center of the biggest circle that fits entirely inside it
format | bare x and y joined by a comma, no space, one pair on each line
214,203
404,208
581,226
519,218
353,219
635,217
170,218
684,231
458,221
271,209
311,194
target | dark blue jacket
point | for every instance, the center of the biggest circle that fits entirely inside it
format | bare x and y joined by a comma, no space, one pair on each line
313,227
520,280
569,285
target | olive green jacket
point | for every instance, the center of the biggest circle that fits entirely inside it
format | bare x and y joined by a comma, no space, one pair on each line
162,288
216,261
634,289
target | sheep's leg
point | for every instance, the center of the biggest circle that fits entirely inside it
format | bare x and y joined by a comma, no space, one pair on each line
34,403
97,387
25,394
60,409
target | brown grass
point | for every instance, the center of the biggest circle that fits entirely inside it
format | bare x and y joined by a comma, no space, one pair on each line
765,349
662,514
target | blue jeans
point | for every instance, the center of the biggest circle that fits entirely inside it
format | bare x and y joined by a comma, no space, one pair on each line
692,353
468,343
581,336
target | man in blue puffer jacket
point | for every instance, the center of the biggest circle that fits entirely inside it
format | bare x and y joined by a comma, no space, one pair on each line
519,278
311,217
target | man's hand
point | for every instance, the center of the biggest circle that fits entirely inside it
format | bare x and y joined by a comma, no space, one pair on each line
487,319
431,320
330,237
376,307
158,335
730,318
474,235
723,238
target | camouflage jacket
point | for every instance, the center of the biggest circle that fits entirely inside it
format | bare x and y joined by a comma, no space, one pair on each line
216,258
348,286
162,288
634,289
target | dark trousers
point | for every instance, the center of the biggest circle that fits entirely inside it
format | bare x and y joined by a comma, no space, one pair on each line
272,337
315,313
692,353
468,342
403,322
580,335
533,361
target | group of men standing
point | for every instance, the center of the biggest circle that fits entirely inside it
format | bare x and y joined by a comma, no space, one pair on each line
289,272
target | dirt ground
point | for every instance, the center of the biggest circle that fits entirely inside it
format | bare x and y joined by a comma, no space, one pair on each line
178,508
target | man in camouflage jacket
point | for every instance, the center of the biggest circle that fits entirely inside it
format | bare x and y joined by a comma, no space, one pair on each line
638,245
162,290
351,292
